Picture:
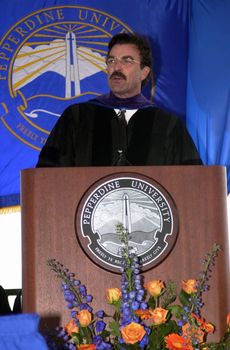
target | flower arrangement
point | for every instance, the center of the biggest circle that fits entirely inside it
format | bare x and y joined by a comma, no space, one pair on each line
149,316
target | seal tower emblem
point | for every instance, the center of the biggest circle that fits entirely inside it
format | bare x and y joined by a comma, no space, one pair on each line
146,211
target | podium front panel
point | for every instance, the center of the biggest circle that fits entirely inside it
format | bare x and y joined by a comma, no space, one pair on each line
49,201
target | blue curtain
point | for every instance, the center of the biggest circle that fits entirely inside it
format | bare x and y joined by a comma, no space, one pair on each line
208,99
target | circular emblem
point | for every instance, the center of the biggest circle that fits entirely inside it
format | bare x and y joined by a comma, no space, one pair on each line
50,59
141,205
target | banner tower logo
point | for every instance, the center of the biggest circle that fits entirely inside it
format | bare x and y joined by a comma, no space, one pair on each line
48,60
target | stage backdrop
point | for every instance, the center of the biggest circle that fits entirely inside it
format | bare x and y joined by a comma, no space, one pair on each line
52,54
208,101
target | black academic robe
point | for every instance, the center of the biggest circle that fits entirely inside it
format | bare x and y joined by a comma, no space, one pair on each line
87,135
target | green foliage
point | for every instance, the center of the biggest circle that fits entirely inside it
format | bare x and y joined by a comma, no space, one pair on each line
115,328
156,339
184,297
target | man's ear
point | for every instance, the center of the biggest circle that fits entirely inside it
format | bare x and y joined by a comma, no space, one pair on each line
145,72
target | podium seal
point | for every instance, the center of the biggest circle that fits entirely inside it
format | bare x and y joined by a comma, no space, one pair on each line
142,205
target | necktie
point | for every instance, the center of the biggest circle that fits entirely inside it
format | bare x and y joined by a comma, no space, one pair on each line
120,153
122,130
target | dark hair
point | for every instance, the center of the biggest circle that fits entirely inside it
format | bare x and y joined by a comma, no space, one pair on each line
140,42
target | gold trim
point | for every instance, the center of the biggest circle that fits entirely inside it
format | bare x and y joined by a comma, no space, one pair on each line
10,210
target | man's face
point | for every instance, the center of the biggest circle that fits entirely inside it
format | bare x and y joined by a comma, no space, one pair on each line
125,74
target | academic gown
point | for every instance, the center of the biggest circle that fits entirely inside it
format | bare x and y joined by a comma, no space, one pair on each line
87,134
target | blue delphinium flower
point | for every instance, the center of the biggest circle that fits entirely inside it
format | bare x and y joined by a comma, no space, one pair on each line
195,302
77,299
101,344
86,306
88,298
100,326
100,314
58,339
131,285
144,341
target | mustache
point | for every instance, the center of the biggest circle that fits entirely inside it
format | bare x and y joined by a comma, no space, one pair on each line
117,74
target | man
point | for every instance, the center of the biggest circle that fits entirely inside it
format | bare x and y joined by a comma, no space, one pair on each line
121,127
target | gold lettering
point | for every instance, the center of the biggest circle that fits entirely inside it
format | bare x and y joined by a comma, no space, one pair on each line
42,140
30,24
7,47
3,67
123,30
27,132
3,56
21,31
114,25
60,14
20,126
13,39
95,18
105,21
80,16
49,16
39,19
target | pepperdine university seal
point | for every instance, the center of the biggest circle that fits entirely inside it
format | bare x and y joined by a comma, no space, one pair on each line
48,59
145,209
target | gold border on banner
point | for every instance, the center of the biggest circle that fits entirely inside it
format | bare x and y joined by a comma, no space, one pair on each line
10,210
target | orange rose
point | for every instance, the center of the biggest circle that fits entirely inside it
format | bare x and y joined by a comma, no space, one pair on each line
154,287
71,327
143,314
113,295
228,320
86,347
84,317
193,332
158,315
189,286
175,341
208,327
132,333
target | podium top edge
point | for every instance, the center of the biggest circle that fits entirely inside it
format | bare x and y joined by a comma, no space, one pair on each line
127,168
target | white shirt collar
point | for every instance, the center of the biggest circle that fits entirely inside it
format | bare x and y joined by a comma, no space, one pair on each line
128,113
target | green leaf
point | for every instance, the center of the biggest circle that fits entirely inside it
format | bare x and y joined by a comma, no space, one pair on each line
117,305
126,346
114,328
105,334
176,310
167,328
85,333
156,338
75,338
169,295
184,297
152,303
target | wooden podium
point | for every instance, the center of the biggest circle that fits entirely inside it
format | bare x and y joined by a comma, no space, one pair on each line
49,200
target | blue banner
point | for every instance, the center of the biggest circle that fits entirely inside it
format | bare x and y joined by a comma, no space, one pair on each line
52,54
208,104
